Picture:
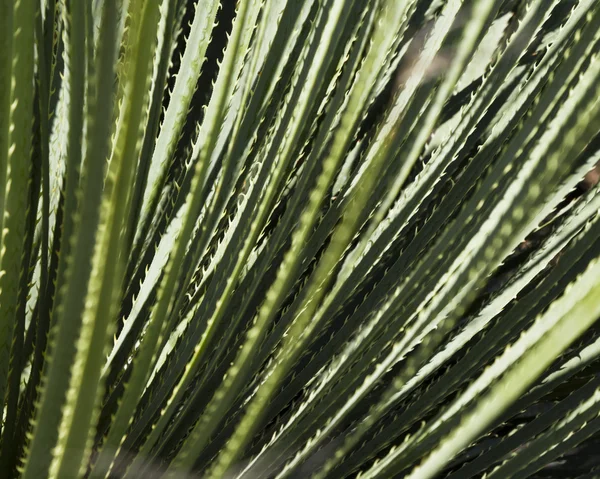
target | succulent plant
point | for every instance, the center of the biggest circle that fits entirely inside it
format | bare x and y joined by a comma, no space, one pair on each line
299,238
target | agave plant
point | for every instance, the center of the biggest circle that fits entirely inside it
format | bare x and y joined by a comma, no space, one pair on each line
299,238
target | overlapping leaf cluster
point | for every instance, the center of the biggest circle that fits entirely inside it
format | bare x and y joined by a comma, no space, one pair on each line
299,238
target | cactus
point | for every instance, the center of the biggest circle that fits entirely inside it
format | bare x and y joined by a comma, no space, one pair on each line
299,238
